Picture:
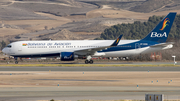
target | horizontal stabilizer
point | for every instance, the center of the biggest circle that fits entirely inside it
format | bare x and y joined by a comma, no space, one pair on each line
163,44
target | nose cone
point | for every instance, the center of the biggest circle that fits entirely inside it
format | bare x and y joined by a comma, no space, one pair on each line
4,50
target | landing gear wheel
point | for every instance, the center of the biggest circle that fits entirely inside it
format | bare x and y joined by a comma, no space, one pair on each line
16,62
15,58
91,61
86,62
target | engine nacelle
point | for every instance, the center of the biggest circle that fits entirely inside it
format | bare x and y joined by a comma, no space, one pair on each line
67,56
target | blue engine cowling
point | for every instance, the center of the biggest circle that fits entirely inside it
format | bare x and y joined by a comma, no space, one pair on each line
67,56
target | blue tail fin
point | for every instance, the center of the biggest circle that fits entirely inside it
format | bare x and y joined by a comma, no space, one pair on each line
161,31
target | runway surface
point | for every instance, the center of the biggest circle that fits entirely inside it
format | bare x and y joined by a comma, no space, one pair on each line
95,83
90,68
82,93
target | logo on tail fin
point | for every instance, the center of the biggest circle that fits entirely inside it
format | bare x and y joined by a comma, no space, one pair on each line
165,23
117,41
155,34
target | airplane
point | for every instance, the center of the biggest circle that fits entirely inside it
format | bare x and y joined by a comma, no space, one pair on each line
69,50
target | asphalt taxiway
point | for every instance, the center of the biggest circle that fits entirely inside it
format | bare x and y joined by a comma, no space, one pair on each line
89,68
85,92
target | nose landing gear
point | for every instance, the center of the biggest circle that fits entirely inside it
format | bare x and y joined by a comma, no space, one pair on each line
15,58
16,62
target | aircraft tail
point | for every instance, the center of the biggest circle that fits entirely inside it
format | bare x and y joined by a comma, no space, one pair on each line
161,31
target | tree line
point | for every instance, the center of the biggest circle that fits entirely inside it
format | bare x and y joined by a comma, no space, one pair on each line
2,44
139,30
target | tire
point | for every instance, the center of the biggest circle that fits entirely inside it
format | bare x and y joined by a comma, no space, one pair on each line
91,61
86,62
16,62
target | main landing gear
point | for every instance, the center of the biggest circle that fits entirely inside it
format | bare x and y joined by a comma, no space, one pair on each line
88,60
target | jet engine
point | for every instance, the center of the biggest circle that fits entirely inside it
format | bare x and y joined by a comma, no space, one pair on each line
67,56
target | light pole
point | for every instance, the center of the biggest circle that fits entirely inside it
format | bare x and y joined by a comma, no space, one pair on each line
174,60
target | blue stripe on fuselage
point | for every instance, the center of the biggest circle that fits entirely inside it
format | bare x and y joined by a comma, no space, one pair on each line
130,46
38,55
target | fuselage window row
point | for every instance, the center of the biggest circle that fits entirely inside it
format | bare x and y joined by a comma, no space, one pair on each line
68,46
37,47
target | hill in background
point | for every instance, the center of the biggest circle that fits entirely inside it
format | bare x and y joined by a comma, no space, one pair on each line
150,5
37,19
63,34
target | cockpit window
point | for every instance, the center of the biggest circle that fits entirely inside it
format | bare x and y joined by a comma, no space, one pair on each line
9,46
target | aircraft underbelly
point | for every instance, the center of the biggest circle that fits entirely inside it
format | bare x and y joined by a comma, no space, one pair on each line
126,53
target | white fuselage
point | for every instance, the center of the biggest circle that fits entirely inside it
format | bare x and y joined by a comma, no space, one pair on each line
31,48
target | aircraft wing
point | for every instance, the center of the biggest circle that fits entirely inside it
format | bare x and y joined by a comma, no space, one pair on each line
162,44
92,51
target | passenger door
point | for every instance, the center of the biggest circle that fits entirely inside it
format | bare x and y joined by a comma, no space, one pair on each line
137,46
20,47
